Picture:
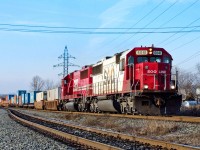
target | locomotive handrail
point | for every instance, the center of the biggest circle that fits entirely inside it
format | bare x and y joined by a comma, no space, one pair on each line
136,86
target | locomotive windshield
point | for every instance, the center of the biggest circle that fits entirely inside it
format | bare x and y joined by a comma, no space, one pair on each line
155,59
146,59
166,60
142,59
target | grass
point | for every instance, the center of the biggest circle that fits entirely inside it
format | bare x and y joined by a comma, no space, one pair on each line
157,128
152,127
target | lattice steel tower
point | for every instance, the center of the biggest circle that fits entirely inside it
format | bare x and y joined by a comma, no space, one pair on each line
65,64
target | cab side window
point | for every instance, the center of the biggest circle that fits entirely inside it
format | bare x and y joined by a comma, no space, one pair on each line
130,60
166,60
121,64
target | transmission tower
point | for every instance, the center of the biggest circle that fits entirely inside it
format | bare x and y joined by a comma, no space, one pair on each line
65,64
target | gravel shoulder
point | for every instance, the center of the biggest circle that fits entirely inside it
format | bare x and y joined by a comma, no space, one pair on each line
177,132
14,136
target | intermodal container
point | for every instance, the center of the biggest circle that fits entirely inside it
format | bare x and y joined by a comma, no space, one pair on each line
9,97
54,94
41,96
27,98
15,99
33,96
19,100
23,98
12,100
20,92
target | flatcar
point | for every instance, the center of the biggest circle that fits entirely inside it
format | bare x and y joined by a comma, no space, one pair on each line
137,81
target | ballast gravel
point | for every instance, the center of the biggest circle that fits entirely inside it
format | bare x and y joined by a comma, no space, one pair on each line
14,136
169,131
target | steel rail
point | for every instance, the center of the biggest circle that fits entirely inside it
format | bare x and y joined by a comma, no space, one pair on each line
126,137
64,136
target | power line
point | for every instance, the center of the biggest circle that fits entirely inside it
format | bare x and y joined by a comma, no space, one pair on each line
186,43
128,29
87,28
178,37
185,9
189,58
179,30
124,41
91,32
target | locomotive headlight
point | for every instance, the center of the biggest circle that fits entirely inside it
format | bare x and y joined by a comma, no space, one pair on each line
146,87
172,87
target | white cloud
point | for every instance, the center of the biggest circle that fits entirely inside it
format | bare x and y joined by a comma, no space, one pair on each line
115,15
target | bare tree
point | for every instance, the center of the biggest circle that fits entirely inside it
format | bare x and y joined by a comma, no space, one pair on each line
37,83
48,84
187,82
58,84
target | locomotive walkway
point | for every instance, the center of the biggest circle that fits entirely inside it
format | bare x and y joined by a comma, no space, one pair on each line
92,138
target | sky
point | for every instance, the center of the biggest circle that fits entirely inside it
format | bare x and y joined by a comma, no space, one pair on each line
26,54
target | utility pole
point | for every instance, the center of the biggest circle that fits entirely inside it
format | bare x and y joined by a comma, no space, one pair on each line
65,64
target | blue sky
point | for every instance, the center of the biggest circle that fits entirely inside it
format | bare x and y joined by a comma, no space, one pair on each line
26,54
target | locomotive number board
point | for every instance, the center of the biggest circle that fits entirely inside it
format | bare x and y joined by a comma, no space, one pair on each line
157,52
141,52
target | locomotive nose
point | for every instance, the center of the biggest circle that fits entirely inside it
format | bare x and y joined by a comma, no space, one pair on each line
155,76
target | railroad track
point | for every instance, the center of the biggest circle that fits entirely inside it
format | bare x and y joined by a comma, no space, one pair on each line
163,118
90,138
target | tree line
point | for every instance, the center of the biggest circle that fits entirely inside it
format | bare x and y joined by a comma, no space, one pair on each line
189,82
39,84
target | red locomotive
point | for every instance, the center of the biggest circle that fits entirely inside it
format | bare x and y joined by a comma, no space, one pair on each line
133,81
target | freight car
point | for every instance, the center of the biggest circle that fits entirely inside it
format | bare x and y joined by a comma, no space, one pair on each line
133,81
48,99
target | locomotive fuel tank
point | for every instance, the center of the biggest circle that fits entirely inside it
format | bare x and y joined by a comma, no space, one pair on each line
71,106
108,105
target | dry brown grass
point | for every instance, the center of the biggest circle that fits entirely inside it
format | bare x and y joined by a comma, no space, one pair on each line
156,128
103,122
191,111
70,116
92,121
